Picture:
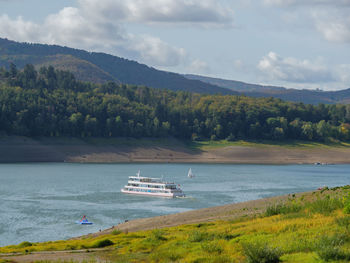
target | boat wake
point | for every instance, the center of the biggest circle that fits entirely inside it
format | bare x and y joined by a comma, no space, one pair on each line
185,197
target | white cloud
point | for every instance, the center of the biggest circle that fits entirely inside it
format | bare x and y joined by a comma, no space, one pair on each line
193,12
238,64
198,66
74,27
307,2
330,17
303,74
343,72
334,26
294,70
155,51
279,2
19,29
97,25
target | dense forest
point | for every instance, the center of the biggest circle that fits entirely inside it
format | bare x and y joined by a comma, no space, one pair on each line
51,102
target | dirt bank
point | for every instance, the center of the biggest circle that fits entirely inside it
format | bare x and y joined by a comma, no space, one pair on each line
22,149
225,212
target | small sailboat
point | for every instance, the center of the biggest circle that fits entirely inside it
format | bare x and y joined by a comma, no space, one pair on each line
84,221
190,174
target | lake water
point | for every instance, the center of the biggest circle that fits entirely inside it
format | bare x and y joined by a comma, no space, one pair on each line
40,202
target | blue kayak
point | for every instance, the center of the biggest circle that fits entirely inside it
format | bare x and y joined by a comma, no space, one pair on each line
84,222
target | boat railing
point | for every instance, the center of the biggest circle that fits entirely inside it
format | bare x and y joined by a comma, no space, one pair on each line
148,180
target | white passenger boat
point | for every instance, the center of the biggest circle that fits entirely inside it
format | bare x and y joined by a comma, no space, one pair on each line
151,186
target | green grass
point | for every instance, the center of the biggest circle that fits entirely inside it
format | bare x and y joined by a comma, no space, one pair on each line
172,142
144,142
206,145
122,141
62,261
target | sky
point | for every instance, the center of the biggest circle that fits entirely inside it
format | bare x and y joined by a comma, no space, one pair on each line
303,44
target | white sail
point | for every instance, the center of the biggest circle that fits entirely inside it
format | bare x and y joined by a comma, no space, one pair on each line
190,174
138,173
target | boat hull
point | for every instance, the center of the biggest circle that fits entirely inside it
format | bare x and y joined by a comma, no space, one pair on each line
169,195
84,223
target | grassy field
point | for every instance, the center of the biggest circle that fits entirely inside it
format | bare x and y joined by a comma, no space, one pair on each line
194,145
310,228
207,145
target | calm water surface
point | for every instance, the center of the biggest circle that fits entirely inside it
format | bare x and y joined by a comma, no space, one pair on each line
40,202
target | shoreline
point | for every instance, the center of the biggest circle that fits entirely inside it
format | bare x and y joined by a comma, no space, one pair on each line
14,149
235,212
230,211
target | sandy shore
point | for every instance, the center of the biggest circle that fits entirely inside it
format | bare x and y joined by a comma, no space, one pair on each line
22,149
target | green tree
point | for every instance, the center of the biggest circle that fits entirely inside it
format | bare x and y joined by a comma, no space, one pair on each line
307,131
76,120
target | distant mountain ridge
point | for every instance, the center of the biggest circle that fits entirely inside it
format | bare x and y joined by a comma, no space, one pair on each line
234,84
295,95
99,67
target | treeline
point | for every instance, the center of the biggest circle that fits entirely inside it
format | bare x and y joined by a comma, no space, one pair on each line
51,102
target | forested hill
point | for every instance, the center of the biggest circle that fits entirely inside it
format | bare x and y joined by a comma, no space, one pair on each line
102,68
53,103
99,67
296,95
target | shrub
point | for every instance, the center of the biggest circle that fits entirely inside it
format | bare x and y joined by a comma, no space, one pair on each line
231,138
70,247
347,208
346,203
166,256
273,210
197,236
204,225
277,209
212,247
158,235
344,222
329,248
153,240
102,243
260,252
116,232
226,236
24,244
325,206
